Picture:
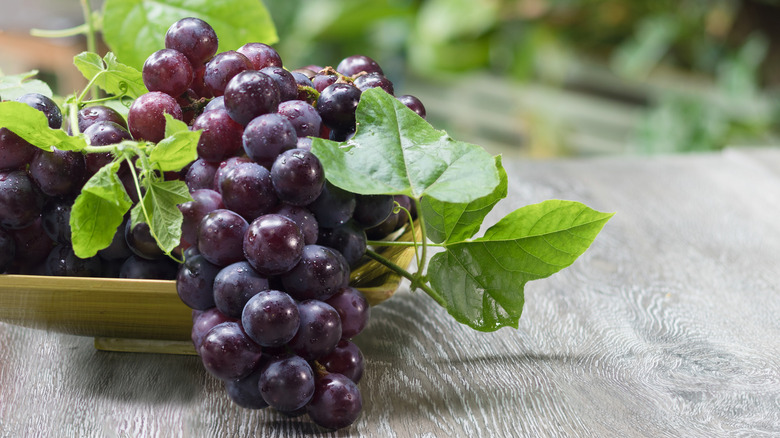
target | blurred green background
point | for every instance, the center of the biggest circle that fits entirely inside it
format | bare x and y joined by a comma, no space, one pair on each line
553,77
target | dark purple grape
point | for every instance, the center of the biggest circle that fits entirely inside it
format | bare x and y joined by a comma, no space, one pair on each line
374,80
355,64
62,261
195,282
194,38
234,286
405,208
146,117
250,94
248,190
227,353
44,105
55,219
318,275
346,359
384,228
304,117
117,249
323,81
413,104
204,201
261,55
103,133
15,152
337,104
287,384
137,267
20,200
298,177
221,237
371,210
224,168
141,242
205,320
246,392
220,136
169,71
215,104
273,244
319,332
353,309
32,244
341,134
285,82
7,250
199,83
333,207
302,80
271,318
303,218
267,136
90,115
222,68
349,239
200,175
336,402
58,173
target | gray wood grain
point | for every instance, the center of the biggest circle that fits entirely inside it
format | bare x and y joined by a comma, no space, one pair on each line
667,327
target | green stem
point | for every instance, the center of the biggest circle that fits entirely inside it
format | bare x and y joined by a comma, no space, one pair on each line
82,29
399,243
414,278
86,9
423,234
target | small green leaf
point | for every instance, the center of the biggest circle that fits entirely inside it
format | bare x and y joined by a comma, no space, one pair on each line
112,76
33,126
98,211
12,87
178,148
395,151
138,27
482,281
447,222
160,201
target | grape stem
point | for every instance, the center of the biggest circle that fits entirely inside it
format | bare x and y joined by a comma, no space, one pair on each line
416,278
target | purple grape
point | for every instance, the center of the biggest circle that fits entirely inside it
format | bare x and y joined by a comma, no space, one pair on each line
333,207
7,250
248,190
62,261
318,275
90,115
250,94
146,117
246,392
204,201
371,210
55,219
337,104
195,282
287,384
285,82
349,239
220,136
137,267
58,173
227,353
271,318
336,402
413,104
353,309
355,64
273,244
20,200
303,218
141,242
309,71
374,80
117,249
319,332
304,117
200,175
215,104
44,105
103,133
298,177
323,81
194,38
168,71
221,236
261,55
32,244
346,359
15,152
222,68
234,286
266,136
302,80
205,320
224,168
340,135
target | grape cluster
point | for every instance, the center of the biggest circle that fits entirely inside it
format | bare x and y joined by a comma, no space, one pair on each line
37,192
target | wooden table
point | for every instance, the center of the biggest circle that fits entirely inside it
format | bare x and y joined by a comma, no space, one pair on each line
669,326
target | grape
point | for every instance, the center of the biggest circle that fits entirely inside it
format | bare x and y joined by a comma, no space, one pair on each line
222,68
318,275
7,250
103,133
323,81
355,64
336,402
374,80
44,105
221,236
287,384
405,209
117,249
169,71
224,168
302,80
337,104
62,261
20,200
146,117
15,152
246,392
250,94
234,286
194,38
303,218
371,210
261,55
204,201
198,85
353,309
215,104
346,359
297,176
200,175
271,318
266,136
195,282
220,136
58,173
227,353
333,207
55,219
141,242
349,239
285,82
32,244
90,115
247,189
137,267
341,134
273,244
413,104
205,320
304,117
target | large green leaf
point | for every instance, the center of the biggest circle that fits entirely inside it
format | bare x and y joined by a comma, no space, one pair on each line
395,151
160,202
33,126
482,281
178,148
110,75
12,87
134,29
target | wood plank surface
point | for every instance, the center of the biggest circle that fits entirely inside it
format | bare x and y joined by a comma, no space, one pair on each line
667,327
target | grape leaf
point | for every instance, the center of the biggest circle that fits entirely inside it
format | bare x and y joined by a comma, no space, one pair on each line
448,222
178,148
98,211
112,76
482,281
160,201
12,87
395,151
33,126
138,26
